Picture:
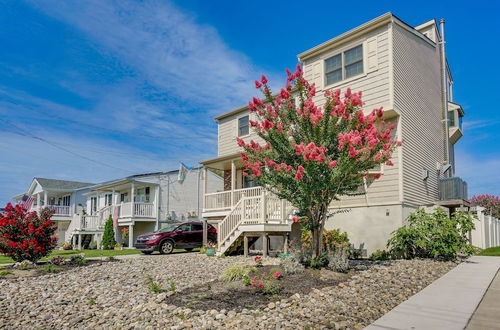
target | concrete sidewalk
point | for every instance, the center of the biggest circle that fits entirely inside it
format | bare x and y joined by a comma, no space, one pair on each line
448,303
487,314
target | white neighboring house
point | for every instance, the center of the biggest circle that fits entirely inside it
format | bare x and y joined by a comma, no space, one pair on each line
66,198
142,203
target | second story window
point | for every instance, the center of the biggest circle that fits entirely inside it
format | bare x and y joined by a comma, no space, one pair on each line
344,65
243,126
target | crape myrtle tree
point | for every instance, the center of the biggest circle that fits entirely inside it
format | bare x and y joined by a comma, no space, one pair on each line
26,235
313,154
490,202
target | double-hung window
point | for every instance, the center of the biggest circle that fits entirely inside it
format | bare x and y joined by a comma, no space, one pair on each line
243,126
344,65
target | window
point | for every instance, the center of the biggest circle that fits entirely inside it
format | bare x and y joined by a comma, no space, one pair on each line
451,118
93,205
186,227
344,65
142,195
108,199
248,182
124,197
243,127
66,200
197,227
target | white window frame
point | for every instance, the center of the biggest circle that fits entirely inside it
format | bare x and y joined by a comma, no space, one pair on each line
238,125
341,52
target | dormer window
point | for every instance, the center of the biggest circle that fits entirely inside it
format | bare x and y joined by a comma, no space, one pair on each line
344,65
243,126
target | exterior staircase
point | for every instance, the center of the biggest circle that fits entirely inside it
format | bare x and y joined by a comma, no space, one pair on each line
84,224
262,213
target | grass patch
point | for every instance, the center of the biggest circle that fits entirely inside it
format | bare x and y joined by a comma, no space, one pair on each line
5,273
88,254
491,252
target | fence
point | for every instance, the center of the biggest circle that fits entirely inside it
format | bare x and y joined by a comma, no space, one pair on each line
487,231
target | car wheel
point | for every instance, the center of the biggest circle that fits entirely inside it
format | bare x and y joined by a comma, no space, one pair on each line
189,249
167,247
147,252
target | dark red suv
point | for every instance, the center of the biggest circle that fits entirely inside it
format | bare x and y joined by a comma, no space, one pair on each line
187,235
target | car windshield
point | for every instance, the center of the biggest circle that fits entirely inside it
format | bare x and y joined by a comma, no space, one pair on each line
166,229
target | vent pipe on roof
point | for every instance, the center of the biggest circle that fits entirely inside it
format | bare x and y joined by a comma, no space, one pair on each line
444,94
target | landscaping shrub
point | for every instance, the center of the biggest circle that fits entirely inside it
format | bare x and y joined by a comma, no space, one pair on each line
78,259
108,237
380,255
433,235
233,273
51,268
26,235
58,261
292,265
338,259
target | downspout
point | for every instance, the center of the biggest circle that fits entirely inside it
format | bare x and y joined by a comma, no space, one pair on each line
445,95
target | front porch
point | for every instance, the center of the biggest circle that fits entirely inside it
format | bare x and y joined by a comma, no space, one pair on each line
61,202
243,209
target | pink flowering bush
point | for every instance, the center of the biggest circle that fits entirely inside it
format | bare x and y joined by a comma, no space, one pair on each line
258,261
313,154
490,202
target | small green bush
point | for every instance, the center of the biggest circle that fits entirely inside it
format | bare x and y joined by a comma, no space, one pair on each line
154,286
5,273
91,302
272,288
433,235
172,286
233,273
51,268
380,255
108,236
78,259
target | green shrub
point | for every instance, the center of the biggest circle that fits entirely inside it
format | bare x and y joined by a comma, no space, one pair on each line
233,273
78,259
91,302
154,286
330,241
272,288
50,268
380,255
433,235
108,237
5,273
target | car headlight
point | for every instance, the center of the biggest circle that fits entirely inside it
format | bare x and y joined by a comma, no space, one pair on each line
152,237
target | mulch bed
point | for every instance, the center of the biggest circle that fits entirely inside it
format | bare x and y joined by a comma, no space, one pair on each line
236,296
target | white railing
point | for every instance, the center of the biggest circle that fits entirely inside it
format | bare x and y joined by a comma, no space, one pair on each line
125,210
144,210
227,199
60,210
264,208
105,212
91,222
218,200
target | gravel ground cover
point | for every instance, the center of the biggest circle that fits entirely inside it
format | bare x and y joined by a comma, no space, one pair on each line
116,296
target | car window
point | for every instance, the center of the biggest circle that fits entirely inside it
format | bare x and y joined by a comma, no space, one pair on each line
167,229
197,227
186,227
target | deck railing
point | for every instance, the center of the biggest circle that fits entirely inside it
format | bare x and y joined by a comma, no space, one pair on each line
225,200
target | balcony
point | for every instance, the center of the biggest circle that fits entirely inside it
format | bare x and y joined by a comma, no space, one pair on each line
453,188
455,115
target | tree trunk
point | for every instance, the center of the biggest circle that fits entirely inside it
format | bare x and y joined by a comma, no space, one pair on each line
316,242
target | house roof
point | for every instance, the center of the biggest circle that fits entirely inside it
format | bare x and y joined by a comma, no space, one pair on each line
61,184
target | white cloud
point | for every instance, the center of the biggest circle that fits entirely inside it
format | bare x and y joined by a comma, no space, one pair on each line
164,74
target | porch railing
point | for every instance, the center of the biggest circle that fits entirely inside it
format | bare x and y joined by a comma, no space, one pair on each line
60,210
225,200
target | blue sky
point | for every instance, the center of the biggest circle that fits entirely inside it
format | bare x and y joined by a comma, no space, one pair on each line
96,90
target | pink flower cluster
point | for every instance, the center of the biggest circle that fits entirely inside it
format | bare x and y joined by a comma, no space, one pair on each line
311,152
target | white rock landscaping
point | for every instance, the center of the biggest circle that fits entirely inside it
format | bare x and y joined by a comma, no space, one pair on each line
116,295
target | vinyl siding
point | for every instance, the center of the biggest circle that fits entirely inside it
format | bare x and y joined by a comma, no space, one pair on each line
228,131
375,85
417,96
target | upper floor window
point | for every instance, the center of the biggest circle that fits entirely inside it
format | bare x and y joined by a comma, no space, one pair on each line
451,118
344,65
243,126
142,195
108,199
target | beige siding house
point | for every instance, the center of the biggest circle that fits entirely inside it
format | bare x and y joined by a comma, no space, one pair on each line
397,67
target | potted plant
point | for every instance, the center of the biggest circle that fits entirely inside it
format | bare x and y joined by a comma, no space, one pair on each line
118,246
210,248
66,246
